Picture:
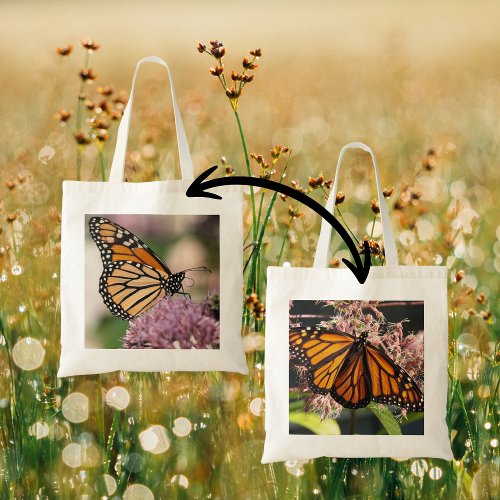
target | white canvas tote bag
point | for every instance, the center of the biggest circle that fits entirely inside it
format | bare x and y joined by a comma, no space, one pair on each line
348,364
150,280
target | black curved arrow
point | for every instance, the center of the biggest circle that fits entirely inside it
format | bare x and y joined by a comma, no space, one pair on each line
198,188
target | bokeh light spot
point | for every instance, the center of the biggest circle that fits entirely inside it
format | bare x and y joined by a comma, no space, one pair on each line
75,407
39,430
138,492
419,467
28,353
180,480
256,406
72,455
155,439
182,427
118,397
435,473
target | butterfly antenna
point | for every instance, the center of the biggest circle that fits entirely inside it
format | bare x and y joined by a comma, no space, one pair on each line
199,268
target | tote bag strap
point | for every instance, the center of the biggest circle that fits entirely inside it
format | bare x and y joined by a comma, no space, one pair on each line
320,259
118,165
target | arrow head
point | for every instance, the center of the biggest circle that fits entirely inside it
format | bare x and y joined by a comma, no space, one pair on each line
361,272
197,188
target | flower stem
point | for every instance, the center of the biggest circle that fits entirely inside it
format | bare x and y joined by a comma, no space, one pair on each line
79,120
249,173
345,223
373,226
284,241
111,438
102,162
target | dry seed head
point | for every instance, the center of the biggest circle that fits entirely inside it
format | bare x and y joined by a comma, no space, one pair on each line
256,53
247,64
232,93
216,70
90,45
102,135
251,299
63,116
105,91
201,47
298,187
294,213
266,172
340,198
218,50
278,150
372,244
388,192
64,51
87,75
11,185
486,315
120,100
375,207
236,77
98,123
258,158
82,139
459,276
481,298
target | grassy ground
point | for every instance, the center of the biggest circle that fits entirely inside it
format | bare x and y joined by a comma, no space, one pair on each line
420,85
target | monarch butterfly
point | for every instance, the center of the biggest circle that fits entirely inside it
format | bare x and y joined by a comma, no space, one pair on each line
134,278
352,370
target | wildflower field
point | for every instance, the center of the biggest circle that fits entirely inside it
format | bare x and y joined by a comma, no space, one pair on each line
277,99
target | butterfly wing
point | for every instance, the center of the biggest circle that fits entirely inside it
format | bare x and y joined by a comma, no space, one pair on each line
116,243
323,351
351,387
130,288
391,384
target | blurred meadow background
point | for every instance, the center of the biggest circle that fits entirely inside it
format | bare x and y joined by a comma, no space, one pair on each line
418,83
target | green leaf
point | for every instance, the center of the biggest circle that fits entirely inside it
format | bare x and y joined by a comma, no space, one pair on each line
312,422
386,418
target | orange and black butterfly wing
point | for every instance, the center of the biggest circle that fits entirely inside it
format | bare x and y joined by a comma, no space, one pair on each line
129,289
134,278
391,384
115,243
323,351
351,387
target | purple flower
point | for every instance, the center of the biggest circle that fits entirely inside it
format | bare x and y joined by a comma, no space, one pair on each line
174,324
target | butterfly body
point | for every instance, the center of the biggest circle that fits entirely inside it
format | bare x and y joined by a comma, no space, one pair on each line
352,370
134,278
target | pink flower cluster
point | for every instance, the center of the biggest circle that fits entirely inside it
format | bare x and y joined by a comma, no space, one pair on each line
174,324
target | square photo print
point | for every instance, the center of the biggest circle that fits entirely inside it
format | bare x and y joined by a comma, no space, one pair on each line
152,281
356,367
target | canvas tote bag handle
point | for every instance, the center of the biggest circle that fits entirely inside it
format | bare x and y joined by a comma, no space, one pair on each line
320,259
118,165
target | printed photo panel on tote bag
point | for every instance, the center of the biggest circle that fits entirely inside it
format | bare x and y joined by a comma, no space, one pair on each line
356,370
151,280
